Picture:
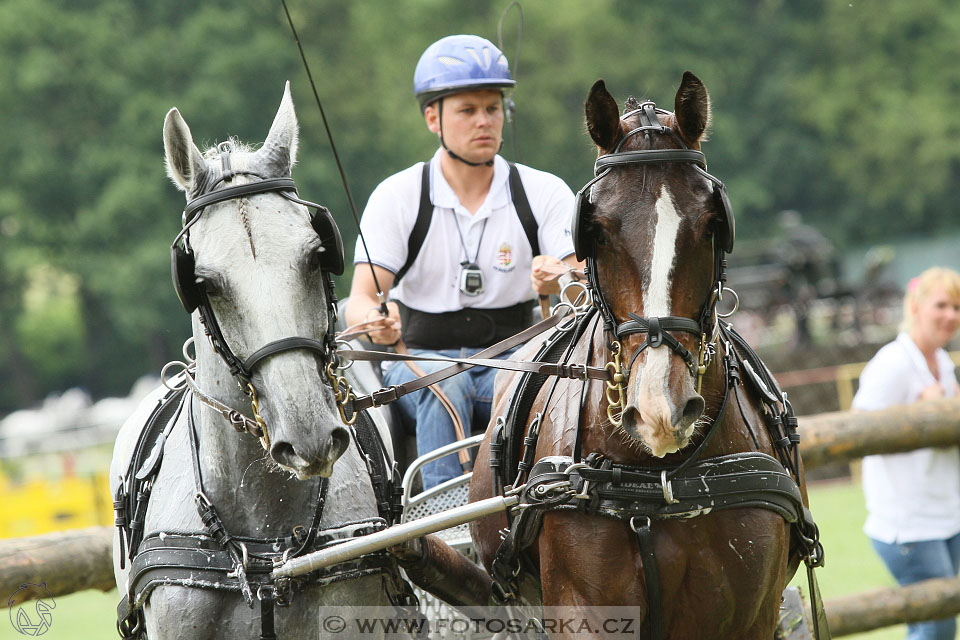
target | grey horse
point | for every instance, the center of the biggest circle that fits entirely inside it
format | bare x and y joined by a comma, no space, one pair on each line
256,258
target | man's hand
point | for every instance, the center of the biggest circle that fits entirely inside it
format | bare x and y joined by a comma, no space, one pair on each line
544,273
383,330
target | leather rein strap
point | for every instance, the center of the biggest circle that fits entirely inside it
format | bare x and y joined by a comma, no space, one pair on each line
483,358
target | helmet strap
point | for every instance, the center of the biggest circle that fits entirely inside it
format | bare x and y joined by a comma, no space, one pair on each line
488,163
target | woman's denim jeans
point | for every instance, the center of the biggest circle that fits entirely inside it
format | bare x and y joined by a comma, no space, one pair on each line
911,562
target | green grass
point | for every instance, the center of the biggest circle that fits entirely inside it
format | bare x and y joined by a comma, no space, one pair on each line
851,567
89,615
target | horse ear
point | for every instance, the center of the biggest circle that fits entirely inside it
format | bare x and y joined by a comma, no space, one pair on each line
279,150
185,163
603,117
692,109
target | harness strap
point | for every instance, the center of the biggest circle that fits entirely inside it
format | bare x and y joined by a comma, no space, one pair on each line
560,370
383,479
133,493
554,350
197,561
390,394
267,598
651,575
279,346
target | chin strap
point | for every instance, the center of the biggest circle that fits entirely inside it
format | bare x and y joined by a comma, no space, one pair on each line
488,163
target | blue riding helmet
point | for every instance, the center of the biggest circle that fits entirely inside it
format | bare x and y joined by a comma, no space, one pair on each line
459,63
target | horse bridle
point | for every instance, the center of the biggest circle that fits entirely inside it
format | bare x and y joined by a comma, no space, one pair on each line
194,296
657,329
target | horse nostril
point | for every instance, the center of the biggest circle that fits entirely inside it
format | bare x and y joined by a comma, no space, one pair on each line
630,416
692,411
286,455
339,441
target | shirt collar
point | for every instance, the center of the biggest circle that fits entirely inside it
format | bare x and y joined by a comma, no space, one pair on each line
916,357
442,194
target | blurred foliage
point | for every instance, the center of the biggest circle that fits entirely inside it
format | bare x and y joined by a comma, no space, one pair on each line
844,111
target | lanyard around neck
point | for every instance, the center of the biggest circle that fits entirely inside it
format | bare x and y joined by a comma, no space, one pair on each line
466,256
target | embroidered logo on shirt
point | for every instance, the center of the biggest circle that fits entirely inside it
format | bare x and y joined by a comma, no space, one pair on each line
504,262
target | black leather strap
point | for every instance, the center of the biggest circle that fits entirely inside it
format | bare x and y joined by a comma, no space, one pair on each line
390,394
279,346
425,214
648,156
651,575
639,324
421,226
524,212
468,327
655,329
239,191
130,502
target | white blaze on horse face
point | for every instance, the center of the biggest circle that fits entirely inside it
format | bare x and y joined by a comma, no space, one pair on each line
652,392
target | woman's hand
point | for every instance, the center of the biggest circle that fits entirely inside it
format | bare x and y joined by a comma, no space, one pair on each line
932,392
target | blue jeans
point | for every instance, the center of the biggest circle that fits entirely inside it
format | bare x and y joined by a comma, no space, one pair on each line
911,562
470,392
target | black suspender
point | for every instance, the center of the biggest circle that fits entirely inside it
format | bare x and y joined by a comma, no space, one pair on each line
425,214
421,226
524,212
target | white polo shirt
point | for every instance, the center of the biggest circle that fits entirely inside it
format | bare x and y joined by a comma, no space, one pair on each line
493,235
915,495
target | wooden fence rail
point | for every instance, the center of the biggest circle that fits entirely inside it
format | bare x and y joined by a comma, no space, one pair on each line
843,436
66,561
927,600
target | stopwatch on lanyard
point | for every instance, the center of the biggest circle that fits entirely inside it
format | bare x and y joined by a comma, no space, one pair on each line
471,277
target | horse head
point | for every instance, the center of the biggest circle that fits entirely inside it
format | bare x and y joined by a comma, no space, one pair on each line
256,267
652,226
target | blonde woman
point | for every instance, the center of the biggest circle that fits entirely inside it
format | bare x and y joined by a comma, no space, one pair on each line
913,498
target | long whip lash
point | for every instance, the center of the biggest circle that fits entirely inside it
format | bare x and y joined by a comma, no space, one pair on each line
511,107
336,156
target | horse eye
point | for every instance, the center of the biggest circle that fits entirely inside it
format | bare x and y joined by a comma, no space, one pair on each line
316,257
211,285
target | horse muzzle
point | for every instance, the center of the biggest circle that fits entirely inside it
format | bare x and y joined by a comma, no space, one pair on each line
306,459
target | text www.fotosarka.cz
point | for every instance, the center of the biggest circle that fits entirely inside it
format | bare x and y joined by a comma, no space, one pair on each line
480,622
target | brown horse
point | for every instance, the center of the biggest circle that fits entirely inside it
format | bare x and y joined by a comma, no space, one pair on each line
675,488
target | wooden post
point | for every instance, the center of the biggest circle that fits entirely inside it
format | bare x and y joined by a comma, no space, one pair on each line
843,436
66,561
927,600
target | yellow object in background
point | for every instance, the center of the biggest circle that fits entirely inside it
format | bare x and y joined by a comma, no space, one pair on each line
39,505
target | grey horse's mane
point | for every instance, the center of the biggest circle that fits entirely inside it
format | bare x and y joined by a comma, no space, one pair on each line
212,153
